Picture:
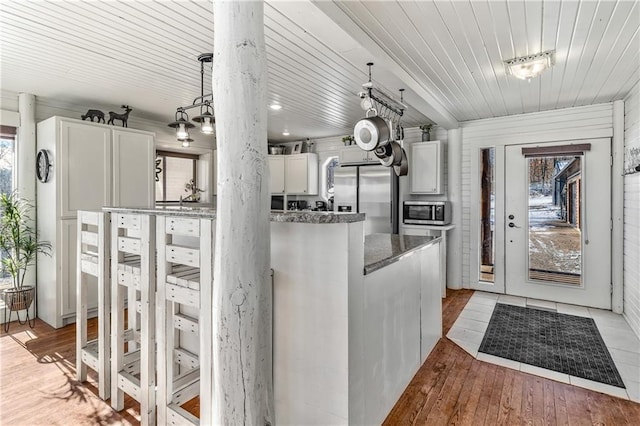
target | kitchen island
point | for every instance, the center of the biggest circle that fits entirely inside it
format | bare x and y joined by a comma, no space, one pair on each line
354,316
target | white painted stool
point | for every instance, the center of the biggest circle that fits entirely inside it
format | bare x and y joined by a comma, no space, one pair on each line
185,285
133,276
93,261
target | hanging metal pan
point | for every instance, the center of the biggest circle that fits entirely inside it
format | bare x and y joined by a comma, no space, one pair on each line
390,154
403,168
371,132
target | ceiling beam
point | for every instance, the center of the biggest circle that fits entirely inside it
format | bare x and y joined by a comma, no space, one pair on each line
426,102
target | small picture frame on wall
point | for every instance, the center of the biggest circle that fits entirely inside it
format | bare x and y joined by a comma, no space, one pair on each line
297,148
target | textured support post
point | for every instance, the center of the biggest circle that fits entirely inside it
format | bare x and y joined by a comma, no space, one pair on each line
242,324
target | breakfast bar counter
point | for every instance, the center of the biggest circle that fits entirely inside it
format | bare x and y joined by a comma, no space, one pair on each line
354,316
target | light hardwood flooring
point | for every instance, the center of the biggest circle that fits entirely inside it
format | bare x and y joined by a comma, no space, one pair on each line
38,387
452,387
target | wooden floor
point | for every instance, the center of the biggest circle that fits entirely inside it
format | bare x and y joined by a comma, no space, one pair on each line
38,387
453,388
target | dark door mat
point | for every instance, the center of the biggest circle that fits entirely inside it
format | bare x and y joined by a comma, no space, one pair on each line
559,342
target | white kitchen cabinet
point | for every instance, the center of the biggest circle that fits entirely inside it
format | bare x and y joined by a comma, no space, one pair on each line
276,173
356,155
301,174
93,165
131,184
425,168
295,174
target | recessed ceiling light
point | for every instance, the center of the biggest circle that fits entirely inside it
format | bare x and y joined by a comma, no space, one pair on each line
285,133
275,107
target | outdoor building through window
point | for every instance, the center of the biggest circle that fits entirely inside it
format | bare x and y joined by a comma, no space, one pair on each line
174,173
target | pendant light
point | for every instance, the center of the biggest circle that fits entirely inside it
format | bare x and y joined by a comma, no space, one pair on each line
206,118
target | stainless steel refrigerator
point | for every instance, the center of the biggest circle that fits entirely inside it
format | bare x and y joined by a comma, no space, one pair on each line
371,190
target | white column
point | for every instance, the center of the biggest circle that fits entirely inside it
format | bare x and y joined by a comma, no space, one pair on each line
617,208
242,317
26,161
454,180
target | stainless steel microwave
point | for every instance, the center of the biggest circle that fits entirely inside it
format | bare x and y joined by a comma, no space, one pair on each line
426,212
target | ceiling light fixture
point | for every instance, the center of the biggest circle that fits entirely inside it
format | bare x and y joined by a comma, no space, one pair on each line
285,133
528,67
206,118
275,107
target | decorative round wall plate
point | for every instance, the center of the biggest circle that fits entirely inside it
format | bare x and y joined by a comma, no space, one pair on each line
43,166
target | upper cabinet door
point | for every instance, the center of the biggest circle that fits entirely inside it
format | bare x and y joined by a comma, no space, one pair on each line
301,174
276,173
426,168
85,167
133,169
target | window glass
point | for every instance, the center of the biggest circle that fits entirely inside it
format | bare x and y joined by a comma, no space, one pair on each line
7,160
487,213
7,179
328,181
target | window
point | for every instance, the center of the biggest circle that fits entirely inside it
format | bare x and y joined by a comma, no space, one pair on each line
175,174
7,159
487,213
327,170
7,176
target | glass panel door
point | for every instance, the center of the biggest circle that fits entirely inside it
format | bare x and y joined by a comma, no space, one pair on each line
557,232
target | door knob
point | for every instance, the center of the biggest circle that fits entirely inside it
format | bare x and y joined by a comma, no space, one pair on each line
513,225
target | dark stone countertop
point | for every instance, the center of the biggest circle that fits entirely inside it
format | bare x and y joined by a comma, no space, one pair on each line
276,216
381,250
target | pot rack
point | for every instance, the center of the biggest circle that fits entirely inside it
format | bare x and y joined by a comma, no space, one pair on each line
385,105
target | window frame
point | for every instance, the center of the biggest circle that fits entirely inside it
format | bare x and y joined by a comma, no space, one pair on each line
164,154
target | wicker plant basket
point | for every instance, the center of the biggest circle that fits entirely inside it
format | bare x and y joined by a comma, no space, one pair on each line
17,300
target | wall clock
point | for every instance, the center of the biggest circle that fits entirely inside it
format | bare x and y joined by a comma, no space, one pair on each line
43,166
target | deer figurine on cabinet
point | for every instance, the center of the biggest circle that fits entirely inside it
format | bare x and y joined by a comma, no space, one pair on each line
122,117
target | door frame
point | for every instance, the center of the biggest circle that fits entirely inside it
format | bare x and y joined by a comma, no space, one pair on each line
499,143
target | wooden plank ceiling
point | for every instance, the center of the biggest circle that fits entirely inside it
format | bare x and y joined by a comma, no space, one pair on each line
143,53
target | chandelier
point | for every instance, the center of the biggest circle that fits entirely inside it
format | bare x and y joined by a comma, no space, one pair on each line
204,101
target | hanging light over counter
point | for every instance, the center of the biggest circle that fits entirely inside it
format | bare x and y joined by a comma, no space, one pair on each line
204,101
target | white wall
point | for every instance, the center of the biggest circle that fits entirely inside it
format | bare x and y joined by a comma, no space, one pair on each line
632,210
594,121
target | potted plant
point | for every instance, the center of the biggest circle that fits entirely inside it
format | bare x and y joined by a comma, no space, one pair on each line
348,140
426,132
19,246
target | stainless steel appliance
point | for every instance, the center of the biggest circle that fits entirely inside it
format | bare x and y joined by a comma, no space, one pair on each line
426,212
370,190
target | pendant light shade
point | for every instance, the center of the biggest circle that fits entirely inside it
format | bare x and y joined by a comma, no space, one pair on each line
206,120
182,124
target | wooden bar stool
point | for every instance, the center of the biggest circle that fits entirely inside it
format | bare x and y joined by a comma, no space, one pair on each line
133,277
93,261
185,278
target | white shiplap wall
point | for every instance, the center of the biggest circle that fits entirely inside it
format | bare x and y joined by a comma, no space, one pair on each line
594,121
632,213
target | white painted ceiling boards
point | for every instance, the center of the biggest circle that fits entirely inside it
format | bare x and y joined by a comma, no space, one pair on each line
447,54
